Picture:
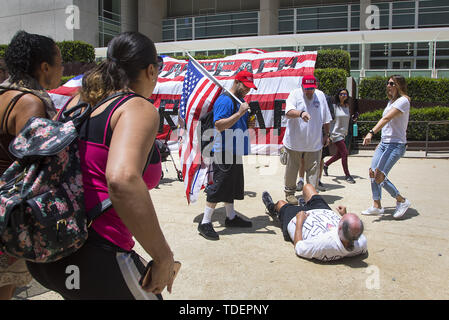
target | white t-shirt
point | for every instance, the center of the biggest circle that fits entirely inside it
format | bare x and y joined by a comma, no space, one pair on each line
320,237
306,136
395,131
339,126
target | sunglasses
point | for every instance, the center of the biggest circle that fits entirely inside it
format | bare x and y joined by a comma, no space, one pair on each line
390,83
160,64
307,89
343,94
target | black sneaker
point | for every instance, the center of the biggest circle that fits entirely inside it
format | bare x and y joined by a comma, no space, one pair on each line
349,179
268,202
321,186
207,231
237,222
325,170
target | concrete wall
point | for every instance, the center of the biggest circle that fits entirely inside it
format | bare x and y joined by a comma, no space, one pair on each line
151,13
130,12
269,17
48,18
35,16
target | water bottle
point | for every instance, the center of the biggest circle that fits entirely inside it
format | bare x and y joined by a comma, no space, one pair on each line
355,132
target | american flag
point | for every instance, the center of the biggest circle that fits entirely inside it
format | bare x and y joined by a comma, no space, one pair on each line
198,96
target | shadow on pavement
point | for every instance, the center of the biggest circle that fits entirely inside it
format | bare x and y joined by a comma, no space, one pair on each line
31,290
388,215
260,223
353,262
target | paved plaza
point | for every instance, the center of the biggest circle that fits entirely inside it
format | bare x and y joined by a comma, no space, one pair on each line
407,259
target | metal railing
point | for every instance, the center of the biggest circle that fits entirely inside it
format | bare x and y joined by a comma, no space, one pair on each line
428,124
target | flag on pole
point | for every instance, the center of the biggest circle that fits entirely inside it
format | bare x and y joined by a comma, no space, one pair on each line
198,96
62,94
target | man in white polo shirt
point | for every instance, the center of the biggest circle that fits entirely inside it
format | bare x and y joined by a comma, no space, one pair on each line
315,230
308,117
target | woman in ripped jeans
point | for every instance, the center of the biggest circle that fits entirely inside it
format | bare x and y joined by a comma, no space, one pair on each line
392,147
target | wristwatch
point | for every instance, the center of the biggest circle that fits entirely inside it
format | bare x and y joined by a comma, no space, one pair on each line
372,132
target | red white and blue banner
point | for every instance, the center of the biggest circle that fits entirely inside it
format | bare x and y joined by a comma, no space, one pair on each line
276,74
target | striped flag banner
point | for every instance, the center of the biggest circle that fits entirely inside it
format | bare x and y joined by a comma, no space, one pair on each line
276,74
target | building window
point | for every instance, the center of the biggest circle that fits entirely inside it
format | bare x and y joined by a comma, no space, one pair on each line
211,26
404,14
322,19
109,17
433,13
286,18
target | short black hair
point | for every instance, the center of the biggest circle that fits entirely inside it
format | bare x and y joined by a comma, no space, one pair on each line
26,52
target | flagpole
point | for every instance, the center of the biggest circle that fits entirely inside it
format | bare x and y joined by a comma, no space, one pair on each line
211,77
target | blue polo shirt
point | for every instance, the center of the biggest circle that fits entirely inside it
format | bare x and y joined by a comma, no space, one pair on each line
235,138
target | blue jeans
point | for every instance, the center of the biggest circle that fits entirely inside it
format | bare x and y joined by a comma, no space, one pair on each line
384,158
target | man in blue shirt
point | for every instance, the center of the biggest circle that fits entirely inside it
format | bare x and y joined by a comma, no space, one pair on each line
230,144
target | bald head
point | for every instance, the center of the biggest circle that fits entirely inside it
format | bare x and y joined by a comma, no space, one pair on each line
350,227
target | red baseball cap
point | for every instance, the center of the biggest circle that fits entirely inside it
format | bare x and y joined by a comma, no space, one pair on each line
309,81
247,79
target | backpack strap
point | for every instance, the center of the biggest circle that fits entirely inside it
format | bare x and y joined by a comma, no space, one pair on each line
233,100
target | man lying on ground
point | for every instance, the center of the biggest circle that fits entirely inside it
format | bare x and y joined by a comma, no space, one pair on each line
317,231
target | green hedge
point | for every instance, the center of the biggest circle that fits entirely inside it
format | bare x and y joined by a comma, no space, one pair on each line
3,50
71,51
76,51
419,89
339,59
415,131
331,80
65,79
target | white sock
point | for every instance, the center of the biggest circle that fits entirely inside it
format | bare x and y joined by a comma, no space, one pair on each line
207,217
230,213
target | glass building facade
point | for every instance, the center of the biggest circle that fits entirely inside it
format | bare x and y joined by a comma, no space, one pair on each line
109,18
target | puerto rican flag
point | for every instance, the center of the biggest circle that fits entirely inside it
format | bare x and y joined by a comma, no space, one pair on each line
62,94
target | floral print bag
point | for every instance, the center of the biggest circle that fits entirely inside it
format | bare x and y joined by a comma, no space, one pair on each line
42,216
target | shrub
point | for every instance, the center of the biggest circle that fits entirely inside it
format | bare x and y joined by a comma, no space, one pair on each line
419,89
76,51
331,80
329,59
3,50
65,79
415,131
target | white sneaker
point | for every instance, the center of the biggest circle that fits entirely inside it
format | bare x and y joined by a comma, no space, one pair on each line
372,211
401,208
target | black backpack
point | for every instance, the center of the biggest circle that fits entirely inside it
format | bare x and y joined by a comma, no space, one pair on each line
207,122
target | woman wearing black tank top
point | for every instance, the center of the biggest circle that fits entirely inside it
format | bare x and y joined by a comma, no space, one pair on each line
126,128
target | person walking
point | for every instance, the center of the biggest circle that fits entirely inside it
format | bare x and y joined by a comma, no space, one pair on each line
391,148
230,120
115,146
339,130
308,117
34,64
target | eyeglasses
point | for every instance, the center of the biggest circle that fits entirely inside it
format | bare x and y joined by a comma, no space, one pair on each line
160,64
390,83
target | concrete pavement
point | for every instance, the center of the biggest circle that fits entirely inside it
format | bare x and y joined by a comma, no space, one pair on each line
408,259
